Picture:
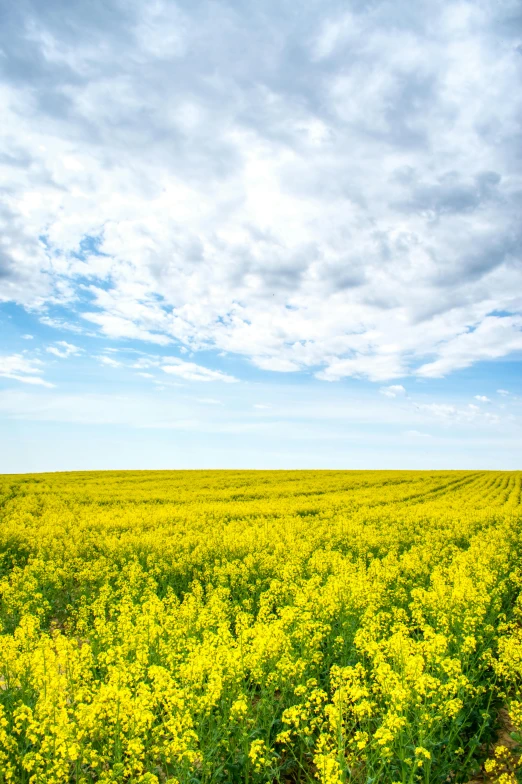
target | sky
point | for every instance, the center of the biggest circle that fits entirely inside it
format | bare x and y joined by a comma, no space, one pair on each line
260,235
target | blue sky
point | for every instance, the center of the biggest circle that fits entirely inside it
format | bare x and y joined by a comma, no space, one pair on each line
234,235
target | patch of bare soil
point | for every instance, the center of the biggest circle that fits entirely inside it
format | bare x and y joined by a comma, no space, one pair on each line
505,751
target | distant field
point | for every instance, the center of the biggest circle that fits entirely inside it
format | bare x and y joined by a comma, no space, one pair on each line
228,626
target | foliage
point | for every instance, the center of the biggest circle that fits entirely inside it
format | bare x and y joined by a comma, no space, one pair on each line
208,627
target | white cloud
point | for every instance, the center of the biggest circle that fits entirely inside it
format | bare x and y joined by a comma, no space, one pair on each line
482,399
439,410
147,362
34,380
360,219
495,337
376,368
189,371
20,368
109,361
451,413
63,350
502,392
261,406
192,372
277,364
61,324
395,390
114,326
28,337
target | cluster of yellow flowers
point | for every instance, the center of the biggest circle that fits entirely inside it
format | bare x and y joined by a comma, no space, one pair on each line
228,626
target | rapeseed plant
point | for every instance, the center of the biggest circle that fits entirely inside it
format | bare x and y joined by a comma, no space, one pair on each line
208,627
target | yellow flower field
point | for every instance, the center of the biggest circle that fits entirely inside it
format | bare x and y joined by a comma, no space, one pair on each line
279,626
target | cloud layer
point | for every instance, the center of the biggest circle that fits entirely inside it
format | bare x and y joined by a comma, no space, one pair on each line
337,190
22,368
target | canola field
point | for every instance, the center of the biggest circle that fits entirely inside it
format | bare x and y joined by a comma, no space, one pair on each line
227,626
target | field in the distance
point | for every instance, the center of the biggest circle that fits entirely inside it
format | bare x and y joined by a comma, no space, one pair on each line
227,626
